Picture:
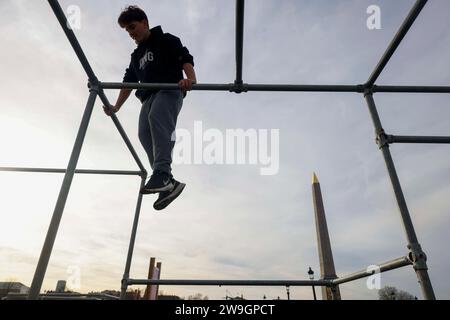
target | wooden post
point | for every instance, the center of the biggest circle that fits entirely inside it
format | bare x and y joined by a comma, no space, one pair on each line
150,274
158,266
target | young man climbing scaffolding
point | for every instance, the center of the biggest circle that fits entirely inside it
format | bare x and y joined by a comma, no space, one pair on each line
159,58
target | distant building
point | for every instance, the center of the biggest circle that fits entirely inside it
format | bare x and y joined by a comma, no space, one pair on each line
12,287
60,286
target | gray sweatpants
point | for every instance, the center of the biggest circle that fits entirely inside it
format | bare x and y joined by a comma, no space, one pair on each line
157,122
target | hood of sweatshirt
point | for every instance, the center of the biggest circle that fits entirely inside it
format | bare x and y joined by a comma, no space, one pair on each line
156,34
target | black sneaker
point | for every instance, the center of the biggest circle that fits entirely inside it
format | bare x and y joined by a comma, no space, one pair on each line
159,182
165,198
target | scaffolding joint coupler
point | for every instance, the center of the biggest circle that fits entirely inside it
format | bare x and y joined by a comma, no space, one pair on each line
94,85
239,87
124,281
417,257
367,89
361,88
382,139
143,174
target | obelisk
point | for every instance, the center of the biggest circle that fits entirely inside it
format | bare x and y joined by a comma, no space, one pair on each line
327,269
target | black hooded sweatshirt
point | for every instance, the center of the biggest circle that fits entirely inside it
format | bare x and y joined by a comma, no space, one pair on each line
159,59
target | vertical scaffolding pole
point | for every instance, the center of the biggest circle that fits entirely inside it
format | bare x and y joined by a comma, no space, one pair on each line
240,5
151,268
126,274
44,258
416,255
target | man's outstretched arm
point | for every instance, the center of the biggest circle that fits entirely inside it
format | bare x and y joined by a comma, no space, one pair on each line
186,84
123,96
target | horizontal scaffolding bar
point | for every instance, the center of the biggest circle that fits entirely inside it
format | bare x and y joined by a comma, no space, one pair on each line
304,87
81,171
417,139
394,264
232,87
403,30
165,86
283,283
359,88
391,265
412,89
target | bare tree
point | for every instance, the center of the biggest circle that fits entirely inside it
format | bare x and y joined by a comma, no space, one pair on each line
198,296
392,293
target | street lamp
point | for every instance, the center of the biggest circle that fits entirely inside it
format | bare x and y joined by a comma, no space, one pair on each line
311,277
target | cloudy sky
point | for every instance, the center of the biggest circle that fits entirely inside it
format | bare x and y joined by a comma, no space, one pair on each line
230,222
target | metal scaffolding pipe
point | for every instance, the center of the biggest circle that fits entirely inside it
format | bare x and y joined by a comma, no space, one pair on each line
164,86
406,25
240,5
283,283
44,258
412,89
417,255
391,265
417,139
359,88
126,273
79,171
233,88
123,134
304,88
59,13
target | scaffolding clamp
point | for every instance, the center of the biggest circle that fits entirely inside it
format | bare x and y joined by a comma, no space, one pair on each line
366,89
94,85
143,174
417,257
382,139
360,88
239,87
